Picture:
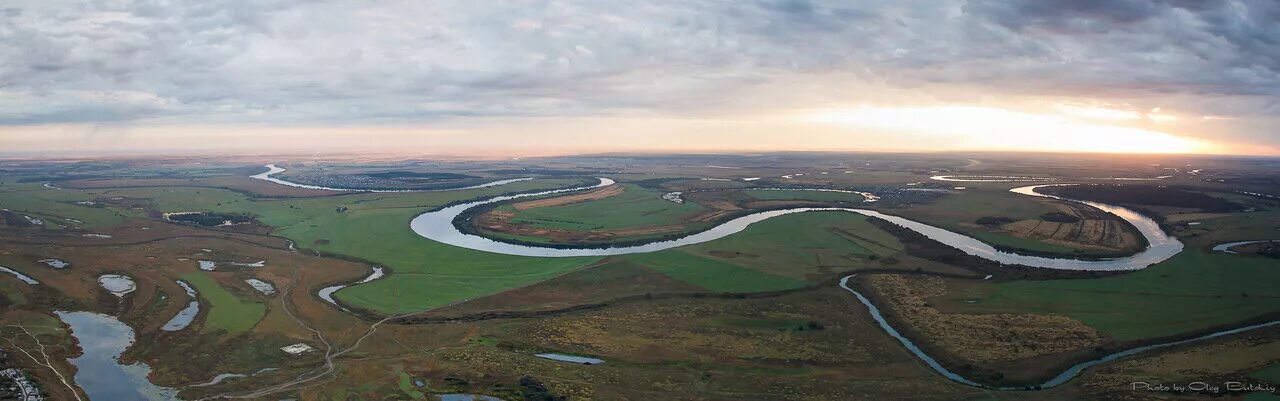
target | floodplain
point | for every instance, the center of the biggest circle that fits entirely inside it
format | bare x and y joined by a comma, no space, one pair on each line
756,314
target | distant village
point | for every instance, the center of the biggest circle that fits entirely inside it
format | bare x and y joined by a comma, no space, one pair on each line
387,181
15,384
359,181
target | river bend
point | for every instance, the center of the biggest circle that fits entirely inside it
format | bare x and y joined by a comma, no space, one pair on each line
438,226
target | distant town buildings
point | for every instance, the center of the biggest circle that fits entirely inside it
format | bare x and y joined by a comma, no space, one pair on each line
16,383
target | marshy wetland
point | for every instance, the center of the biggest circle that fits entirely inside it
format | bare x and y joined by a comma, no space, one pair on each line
741,290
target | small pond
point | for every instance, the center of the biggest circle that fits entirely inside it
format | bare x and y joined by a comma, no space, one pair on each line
262,286
117,284
186,315
20,276
570,358
99,372
467,397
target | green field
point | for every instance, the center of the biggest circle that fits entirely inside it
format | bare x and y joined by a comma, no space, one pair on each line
776,254
375,227
405,383
712,274
55,204
771,324
12,288
753,315
634,207
958,213
800,244
1270,374
1193,290
226,311
430,274
1243,226
819,196
425,274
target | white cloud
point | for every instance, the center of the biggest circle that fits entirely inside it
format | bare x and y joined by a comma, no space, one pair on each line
291,61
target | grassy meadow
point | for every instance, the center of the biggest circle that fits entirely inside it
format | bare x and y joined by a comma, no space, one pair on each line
799,245
54,204
373,227
780,253
819,196
1193,290
226,310
636,206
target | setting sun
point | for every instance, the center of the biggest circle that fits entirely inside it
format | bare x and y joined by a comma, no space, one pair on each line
996,128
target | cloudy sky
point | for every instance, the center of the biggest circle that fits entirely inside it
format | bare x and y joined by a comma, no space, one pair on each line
544,77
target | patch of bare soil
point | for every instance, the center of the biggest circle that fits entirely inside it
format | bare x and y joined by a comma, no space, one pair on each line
1094,231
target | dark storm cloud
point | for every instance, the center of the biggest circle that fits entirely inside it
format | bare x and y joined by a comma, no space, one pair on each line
294,60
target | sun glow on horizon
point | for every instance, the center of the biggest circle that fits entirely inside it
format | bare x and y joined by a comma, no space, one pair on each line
1004,129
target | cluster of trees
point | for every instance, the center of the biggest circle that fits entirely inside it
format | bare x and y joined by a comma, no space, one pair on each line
1271,251
993,220
811,326
533,390
13,219
208,219
391,175
547,172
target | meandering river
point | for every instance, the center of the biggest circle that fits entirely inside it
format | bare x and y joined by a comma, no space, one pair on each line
326,293
1061,378
438,226
273,169
1226,247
